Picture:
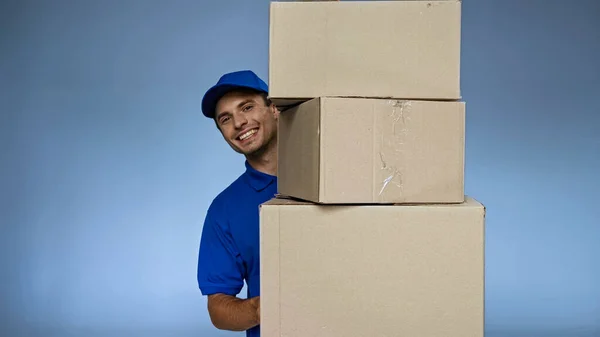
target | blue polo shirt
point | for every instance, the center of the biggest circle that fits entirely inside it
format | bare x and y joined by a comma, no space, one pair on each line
229,247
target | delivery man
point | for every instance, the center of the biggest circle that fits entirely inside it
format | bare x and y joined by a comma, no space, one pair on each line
229,246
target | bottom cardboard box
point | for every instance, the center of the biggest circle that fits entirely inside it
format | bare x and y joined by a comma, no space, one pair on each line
372,270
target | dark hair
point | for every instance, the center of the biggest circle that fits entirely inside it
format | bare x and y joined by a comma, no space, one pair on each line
262,94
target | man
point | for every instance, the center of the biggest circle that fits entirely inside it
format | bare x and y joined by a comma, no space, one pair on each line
229,247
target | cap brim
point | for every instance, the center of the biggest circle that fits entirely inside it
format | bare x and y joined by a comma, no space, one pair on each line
214,94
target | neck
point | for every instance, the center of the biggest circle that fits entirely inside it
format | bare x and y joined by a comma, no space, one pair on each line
265,162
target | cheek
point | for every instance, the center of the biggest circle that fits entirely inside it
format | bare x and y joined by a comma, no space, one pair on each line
272,124
227,133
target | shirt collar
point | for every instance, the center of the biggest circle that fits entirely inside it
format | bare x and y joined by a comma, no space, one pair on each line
258,180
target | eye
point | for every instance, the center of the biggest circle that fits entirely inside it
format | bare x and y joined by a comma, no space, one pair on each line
224,119
248,107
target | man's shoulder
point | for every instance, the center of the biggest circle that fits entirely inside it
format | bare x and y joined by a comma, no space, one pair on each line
232,190
230,193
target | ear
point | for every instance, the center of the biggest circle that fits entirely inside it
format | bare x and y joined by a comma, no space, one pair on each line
275,111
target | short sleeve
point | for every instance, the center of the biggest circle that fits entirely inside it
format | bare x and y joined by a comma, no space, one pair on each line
218,268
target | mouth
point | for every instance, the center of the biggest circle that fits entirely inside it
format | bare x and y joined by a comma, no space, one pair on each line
247,135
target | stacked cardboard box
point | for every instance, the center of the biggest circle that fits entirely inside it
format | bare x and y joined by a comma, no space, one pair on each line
372,234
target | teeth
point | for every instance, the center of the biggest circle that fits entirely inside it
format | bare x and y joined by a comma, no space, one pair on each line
247,134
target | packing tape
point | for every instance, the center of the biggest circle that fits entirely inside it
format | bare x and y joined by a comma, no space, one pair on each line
398,117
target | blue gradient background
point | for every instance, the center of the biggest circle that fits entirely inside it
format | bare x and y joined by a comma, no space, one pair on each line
108,167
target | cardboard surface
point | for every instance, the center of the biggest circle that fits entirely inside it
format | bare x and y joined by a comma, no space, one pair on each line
372,270
389,49
361,150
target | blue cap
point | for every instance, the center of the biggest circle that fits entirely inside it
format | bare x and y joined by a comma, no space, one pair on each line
238,79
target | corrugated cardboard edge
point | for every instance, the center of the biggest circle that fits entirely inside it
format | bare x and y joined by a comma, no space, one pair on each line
269,271
272,6
321,191
345,1
285,103
286,200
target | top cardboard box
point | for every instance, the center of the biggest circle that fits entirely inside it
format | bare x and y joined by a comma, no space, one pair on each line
379,49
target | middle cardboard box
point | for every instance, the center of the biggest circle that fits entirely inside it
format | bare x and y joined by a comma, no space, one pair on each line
335,150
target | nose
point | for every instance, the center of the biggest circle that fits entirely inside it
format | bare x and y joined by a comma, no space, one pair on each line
239,120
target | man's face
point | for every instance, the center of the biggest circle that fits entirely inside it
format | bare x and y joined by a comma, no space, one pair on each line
247,124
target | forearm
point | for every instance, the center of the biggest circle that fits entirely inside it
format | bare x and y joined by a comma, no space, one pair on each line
232,313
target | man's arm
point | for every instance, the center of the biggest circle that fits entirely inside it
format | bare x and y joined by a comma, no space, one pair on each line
234,314
221,275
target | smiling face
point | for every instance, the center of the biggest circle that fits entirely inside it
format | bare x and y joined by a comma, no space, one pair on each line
247,123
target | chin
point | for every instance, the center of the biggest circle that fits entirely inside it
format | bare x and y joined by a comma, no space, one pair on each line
251,147
245,150
252,150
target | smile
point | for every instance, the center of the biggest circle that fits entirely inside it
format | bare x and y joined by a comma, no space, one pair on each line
247,135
